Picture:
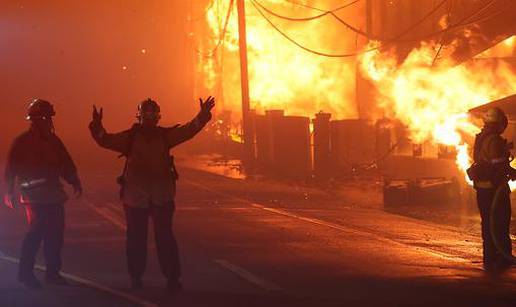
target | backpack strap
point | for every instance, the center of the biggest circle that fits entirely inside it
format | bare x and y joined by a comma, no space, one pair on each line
168,156
130,141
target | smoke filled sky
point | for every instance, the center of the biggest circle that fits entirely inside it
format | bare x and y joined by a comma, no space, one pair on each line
77,53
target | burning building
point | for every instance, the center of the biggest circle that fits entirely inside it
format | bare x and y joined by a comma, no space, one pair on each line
398,77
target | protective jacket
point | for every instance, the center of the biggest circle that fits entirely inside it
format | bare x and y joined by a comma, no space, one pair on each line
37,163
491,156
148,178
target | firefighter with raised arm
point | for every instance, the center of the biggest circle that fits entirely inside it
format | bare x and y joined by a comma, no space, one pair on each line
36,163
490,173
148,183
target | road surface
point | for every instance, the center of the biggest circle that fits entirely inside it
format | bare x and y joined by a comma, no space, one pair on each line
253,244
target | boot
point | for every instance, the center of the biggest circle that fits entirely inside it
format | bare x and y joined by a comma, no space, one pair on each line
30,282
174,286
56,279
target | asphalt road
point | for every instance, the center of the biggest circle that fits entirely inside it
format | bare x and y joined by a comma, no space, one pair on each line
253,244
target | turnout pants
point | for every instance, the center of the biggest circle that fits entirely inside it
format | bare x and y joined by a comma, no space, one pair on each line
46,224
501,227
166,245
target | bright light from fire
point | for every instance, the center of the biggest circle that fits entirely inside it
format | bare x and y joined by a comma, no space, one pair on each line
432,99
282,75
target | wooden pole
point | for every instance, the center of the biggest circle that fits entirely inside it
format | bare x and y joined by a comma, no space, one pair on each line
244,80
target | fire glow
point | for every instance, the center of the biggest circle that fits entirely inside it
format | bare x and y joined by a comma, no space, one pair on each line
430,98
281,75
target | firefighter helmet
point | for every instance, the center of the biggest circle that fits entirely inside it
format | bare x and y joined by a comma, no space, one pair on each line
496,116
40,109
148,108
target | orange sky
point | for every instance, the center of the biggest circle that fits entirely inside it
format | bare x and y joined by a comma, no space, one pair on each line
72,53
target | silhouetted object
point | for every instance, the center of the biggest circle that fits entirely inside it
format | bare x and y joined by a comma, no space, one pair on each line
383,142
148,183
491,156
322,145
421,192
283,144
352,143
37,161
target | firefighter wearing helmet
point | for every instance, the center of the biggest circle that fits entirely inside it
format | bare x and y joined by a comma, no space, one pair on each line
490,173
148,183
37,162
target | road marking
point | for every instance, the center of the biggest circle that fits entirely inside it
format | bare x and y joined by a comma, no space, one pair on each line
333,225
248,276
95,240
80,224
108,215
192,208
90,284
360,232
115,208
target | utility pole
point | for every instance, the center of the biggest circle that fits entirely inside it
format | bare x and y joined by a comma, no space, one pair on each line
244,80
362,99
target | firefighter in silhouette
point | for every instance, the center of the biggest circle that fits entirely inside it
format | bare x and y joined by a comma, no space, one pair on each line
490,173
36,163
148,183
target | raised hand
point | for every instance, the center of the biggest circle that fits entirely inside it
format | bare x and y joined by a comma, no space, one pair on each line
207,105
97,115
77,190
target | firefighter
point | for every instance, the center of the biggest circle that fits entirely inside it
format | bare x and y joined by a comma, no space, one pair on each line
36,163
148,184
491,171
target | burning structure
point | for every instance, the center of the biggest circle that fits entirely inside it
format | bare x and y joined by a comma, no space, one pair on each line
397,78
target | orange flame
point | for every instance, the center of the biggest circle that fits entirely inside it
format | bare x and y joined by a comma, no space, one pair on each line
282,75
433,100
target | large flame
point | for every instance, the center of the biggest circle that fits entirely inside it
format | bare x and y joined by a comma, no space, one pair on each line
282,75
431,99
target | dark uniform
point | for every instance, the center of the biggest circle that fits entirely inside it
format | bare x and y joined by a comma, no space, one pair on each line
491,150
37,161
149,188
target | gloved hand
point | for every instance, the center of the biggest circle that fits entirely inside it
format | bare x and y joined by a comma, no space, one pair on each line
96,118
207,105
77,190
10,200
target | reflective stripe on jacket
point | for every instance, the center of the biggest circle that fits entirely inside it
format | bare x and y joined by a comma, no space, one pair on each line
37,163
493,150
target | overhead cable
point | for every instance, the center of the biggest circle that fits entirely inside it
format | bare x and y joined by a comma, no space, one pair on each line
325,13
348,25
222,35
345,55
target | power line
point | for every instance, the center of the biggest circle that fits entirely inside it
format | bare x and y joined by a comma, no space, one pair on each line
257,6
464,22
348,25
305,5
222,35
325,13
420,21
388,41
346,55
